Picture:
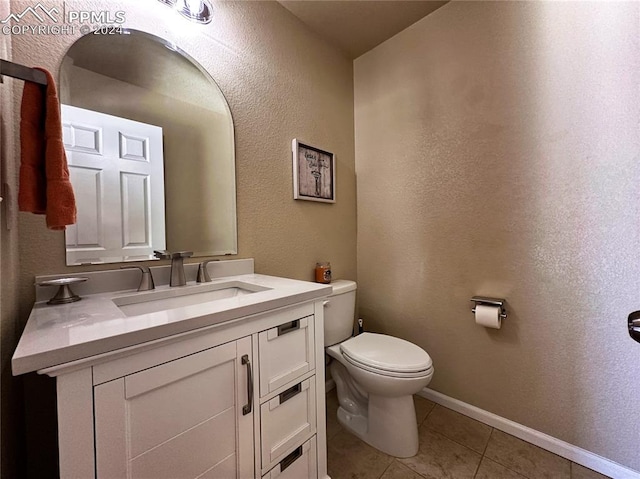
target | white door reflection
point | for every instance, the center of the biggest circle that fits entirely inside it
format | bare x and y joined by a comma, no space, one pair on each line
117,170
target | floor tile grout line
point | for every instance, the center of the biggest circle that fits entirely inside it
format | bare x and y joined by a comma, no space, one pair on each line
428,414
425,418
395,459
456,442
483,454
487,445
413,470
508,468
417,473
484,451
478,467
497,460
453,440
385,469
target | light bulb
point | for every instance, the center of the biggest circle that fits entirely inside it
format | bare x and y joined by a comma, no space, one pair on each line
194,6
199,11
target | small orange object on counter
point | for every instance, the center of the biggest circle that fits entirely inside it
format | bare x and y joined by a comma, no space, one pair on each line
323,273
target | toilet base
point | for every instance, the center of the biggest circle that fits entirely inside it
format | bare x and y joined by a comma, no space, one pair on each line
390,427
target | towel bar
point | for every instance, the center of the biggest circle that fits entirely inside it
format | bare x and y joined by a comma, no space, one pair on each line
22,72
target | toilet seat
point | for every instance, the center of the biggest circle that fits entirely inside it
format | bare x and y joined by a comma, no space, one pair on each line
392,374
387,355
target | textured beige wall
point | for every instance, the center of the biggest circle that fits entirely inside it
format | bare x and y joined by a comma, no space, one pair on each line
281,82
498,153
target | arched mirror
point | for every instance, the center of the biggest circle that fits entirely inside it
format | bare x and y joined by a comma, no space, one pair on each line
150,145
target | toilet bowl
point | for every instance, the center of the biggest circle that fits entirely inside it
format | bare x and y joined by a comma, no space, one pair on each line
376,376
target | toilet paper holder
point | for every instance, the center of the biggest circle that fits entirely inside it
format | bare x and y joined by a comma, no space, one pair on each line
490,302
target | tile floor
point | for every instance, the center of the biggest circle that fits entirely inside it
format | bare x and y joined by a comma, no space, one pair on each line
452,446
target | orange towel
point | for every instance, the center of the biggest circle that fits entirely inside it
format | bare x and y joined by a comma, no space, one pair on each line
44,175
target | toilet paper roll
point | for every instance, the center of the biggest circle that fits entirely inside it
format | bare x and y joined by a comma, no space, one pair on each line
488,316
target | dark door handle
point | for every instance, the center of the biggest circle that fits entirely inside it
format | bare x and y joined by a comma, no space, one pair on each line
634,325
246,409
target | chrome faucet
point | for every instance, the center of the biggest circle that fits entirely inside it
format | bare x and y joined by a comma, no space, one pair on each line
203,274
146,280
177,265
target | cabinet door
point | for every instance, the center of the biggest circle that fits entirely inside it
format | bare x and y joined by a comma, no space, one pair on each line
181,419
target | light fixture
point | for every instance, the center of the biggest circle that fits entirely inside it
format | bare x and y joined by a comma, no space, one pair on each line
199,11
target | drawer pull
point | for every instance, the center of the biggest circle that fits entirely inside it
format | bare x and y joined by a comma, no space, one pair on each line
290,459
291,392
288,327
249,406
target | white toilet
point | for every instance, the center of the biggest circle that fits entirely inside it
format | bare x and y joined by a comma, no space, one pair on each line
376,376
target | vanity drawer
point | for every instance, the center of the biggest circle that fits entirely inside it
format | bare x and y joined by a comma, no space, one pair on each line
301,463
287,420
286,353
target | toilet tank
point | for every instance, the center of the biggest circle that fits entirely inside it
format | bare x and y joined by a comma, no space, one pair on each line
339,312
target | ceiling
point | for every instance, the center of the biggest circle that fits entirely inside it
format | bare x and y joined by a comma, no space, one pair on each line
356,26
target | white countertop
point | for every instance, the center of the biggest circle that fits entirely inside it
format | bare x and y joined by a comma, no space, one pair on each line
59,334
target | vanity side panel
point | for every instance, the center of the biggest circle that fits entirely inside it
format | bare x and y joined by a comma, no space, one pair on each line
75,424
321,432
111,417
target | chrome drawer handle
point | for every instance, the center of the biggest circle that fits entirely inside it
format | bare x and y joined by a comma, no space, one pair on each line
249,406
290,459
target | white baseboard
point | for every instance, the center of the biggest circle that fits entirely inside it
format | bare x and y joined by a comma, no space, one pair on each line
561,448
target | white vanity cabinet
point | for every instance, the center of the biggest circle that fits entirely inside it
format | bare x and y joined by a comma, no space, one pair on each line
241,399
184,418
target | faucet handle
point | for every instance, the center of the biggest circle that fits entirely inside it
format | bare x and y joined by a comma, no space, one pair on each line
164,254
146,281
203,274
181,254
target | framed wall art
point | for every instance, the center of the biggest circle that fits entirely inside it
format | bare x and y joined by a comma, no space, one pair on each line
314,173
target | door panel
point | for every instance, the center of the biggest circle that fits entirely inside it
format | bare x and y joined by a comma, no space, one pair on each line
88,185
190,454
127,157
182,402
225,468
179,419
136,223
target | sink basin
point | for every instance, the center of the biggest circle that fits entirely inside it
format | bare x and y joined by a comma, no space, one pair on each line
154,301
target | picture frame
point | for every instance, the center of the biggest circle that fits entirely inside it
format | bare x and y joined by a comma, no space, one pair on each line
314,173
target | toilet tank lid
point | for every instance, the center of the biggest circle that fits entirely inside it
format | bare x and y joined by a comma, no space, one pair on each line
341,286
